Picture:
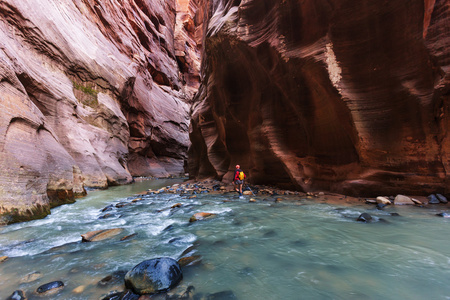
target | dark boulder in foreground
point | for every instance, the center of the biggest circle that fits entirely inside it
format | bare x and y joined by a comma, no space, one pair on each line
50,288
364,217
154,276
17,295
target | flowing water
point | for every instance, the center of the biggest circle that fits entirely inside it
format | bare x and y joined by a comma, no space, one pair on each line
294,249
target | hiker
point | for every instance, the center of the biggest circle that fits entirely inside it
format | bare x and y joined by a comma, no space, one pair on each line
239,178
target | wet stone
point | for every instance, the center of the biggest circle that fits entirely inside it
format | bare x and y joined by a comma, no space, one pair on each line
17,295
50,288
443,215
106,216
99,235
190,260
113,279
128,237
432,199
31,277
154,276
364,217
108,208
441,198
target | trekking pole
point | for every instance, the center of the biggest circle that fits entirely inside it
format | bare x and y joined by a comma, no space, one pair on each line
250,190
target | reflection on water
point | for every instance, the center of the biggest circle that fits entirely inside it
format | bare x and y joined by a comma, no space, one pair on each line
295,249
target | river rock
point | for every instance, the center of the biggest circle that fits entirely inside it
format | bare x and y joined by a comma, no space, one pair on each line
247,193
79,289
403,200
154,276
3,259
189,260
114,278
432,199
442,198
127,237
229,295
383,200
364,217
17,295
201,216
50,288
99,235
443,215
31,277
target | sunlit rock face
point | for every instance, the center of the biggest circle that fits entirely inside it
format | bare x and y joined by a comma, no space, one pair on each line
348,96
91,94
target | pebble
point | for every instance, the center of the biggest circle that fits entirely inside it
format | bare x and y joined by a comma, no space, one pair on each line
79,290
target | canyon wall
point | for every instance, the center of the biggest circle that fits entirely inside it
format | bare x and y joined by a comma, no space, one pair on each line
347,96
92,93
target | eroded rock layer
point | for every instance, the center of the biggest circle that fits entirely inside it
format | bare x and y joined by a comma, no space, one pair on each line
91,94
348,96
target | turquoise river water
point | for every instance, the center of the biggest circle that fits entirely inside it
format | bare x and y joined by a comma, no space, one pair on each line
295,249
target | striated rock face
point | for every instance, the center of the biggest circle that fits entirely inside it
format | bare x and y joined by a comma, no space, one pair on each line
349,96
91,94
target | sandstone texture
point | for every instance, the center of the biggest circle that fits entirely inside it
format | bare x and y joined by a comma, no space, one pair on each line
347,96
92,92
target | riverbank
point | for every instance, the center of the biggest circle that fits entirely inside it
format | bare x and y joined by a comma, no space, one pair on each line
271,193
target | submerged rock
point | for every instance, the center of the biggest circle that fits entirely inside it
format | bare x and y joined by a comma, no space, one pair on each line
114,278
154,276
201,216
364,217
224,295
31,277
50,288
443,214
189,260
99,235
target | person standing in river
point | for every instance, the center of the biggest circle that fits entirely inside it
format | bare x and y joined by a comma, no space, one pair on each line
239,178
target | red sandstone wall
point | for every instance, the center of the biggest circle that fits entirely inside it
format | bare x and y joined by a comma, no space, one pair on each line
348,96
91,94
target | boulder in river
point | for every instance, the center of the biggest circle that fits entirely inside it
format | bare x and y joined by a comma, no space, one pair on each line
364,217
50,288
403,200
443,215
383,200
98,235
442,198
201,216
432,199
154,276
